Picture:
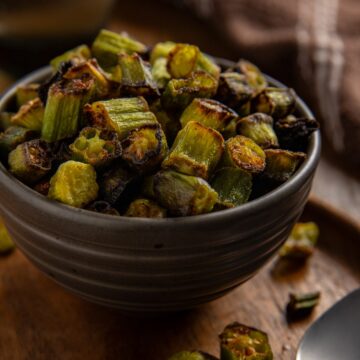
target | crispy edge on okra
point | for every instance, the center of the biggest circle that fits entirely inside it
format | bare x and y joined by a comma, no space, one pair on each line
184,195
241,342
26,92
74,184
160,73
76,55
30,115
97,147
145,208
192,355
282,164
6,243
145,148
196,151
301,305
14,136
258,127
30,161
182,60
208,112
243,153
207,64
102,207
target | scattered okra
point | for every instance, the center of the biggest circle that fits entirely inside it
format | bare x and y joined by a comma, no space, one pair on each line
301,305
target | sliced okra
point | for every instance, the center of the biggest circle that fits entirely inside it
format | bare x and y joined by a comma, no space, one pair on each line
145,208
30,115
301,305
12,137
77,55
25,93
182,60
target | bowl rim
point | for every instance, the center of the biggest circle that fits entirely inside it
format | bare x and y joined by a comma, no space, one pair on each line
82,215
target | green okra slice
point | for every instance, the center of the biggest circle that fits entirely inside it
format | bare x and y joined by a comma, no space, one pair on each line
258,127
77,55
230,129
145,148
182,60
25,93
282,164
184,195
30,115
301,242
6,243
196,151
14,136
205,63
241,342
74,184
63,110
97,147
5,120
102,207
161,50
233,186
180,92
301,305
108,45
277,102
160,73
30,161
243,153
145,208
210,113
192,355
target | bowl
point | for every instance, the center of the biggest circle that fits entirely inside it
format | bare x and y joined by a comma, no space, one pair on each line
146,265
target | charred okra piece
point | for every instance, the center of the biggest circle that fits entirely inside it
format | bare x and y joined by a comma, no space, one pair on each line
160,73
208,65
77,55
145,148
161,50
301,305
233,186
63,108
30,115
241,342
192,355
258,127
97,147
282,164
210,113
277,102
182,60
301,242
244,153
25,93
108,45
102,207
5,120
14,136
6,243
180,92
145,208
74,184
196,151
184,195
30,161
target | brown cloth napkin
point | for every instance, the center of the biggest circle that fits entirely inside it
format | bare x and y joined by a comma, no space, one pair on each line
313,45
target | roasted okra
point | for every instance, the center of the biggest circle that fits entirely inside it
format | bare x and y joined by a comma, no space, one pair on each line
192,355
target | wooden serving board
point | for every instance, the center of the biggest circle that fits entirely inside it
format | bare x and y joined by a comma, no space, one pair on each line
39,320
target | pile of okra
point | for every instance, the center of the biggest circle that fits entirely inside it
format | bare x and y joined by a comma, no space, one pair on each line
123,129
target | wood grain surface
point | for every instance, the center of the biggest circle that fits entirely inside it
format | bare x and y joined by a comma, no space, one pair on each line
39,320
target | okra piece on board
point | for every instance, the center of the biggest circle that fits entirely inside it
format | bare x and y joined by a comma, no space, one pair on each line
6,243
102,207
63,110
161,50
160,73
145,208
233,186
79,54
184,195
258,127
14,136
208,112
241,342
30,161
25,93
192,355
243,153
182,60
74,184
196,151
282,164
301,305
108,45
97,147
30,115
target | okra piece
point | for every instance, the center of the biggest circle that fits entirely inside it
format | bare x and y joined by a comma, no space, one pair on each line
243,153
63,110
6,243
301,242
74,184
282,164
30,115
145,208
277,102
102,207
77,55
108,45
5,120
97,147
43,186
192,355
160,73
230,130
210,113
184,195
145,148
14,136
258,127
30,161
182,60
25,93
147,187
208,65
233,186
180,92
301,305
196,151
161,50
245,109
241,342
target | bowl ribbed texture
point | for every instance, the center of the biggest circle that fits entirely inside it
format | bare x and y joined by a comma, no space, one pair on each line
144,265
